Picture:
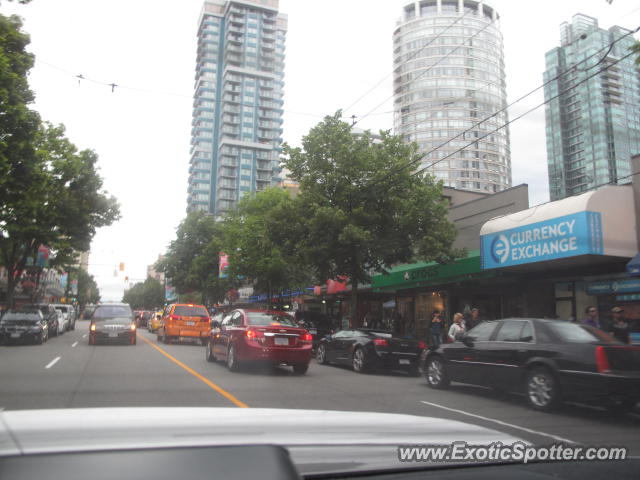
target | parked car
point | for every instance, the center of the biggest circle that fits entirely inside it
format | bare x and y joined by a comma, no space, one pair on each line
154,322
260,336
184,321
50,314
68,314
112,323
24,326
318,325
547,360
369,349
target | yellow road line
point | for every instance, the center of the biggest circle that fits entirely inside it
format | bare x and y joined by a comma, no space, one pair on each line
205,380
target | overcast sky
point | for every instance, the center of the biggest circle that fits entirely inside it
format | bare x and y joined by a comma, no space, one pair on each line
336,50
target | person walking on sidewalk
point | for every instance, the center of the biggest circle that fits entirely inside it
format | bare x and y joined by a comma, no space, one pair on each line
437,324
592,317
457,328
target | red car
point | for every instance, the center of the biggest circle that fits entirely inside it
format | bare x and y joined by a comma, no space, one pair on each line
260,336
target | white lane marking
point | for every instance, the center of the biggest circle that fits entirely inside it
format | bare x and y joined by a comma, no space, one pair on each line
500,422
74,344
52,362
84,336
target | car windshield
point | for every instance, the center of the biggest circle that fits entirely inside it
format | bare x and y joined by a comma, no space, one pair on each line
111,311
264,319
572,333
190,311
339,211
31,316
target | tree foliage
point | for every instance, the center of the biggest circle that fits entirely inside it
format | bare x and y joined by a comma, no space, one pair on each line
145,295
364,209
50,193
258,239
88,291
192,260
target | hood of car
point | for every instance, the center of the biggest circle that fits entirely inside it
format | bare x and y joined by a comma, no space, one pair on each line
319,441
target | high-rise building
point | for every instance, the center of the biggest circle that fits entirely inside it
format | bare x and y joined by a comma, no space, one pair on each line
448,76
237,108
592,124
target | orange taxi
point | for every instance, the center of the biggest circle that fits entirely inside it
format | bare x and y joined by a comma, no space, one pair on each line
182,321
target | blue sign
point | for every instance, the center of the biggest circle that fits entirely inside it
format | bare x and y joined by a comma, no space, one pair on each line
562,237
614,286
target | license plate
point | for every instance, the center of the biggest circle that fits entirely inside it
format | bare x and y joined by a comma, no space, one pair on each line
113,334
281,341
190,324
313,331
404,361
15,335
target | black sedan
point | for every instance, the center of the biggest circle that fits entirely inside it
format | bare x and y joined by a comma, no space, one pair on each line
24,326
547,360
366,349
112,323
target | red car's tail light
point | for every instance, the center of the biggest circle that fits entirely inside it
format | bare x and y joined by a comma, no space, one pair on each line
422,345
254,335
602,361
175,317
380,342
307,337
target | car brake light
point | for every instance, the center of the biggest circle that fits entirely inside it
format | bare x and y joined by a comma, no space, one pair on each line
275,324
422,345
380,342
307,337
255,335
602,361
251,334
93,327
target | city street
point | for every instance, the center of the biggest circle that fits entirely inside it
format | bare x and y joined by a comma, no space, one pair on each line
66,372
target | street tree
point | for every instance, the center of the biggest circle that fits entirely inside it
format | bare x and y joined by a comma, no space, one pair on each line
365,207
256,236
145,295
88,292
191,263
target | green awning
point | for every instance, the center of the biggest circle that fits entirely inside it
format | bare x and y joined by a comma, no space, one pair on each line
424,274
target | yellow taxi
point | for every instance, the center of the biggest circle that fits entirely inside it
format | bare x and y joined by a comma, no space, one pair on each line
154,322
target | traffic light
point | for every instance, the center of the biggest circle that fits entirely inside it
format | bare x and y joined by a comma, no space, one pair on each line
122,266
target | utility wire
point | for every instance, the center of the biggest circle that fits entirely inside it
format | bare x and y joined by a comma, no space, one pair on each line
414,55
573,67
423,72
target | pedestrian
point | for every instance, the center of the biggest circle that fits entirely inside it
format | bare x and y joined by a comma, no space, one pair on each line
474,319
592,317
436,326
457,328
619,328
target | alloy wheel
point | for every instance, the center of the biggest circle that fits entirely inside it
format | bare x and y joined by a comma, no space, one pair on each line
359,361
435,373
540,389
321,355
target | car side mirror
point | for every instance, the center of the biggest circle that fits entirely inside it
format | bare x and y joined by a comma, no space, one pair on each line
468,341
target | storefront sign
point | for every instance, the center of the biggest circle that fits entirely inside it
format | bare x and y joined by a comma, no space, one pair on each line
614,286
562,237
633,297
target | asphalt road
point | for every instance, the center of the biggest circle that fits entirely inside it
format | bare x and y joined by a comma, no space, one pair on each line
66,372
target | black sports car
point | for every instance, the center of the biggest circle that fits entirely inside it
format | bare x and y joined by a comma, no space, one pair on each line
547,360
367,349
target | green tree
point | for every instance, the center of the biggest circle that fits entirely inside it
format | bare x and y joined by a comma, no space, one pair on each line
145,295
364,210
191,262
88,291
256,236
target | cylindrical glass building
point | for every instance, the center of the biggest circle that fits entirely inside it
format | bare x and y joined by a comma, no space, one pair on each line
448,77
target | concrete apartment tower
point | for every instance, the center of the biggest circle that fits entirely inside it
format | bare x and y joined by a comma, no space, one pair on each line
237,107
449,75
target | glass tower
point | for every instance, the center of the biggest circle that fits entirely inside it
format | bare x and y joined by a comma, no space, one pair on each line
448,76
592,124
237,108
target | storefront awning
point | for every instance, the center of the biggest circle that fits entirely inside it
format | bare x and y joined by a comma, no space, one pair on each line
599,223
633,267
424,274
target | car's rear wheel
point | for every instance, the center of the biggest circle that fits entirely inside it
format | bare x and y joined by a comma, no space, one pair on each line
541,389
360,361
436,373
232,360
321,354
209,353
300,368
